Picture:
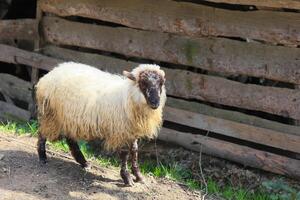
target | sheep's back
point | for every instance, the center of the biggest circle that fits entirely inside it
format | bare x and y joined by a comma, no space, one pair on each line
86,102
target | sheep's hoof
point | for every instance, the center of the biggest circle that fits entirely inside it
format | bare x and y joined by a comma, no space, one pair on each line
87,166
138,176
129,183
139,180
43,161
127,178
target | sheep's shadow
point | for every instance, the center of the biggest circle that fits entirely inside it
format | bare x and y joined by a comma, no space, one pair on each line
56,179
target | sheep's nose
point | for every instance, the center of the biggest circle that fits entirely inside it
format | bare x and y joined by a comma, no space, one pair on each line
153,98
154,105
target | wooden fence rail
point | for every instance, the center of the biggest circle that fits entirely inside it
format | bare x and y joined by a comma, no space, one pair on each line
112,64
238,153
241,154
15,55
15,88
194,44
185,18
233,116
18,29
221,55
234,129
158,46
11,112
287,4
280,139
116,65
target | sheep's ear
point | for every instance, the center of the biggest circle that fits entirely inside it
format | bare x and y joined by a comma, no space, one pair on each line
129,75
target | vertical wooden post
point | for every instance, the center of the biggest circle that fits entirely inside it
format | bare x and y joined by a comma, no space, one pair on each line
35,71
297,122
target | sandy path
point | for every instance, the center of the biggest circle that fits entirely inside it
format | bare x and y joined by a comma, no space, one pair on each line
22,177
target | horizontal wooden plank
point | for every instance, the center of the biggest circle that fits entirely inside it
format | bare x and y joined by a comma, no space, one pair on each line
279,4
234,129
15,55
185,18
116,65
234,152
111,64
12,112
279,101
232,116
15,88
26,29
213,54
181,83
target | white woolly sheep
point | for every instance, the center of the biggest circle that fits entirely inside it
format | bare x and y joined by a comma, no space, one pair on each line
79,102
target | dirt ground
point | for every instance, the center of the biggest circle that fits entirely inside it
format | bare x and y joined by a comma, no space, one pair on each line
22,177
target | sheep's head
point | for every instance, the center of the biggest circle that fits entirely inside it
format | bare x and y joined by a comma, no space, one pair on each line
150,79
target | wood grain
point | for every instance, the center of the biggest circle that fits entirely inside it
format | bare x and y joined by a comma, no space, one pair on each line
189,85
186,18
25,29
15,55
233,129
212,54
15,88
12,112
279,4
232,116
237,153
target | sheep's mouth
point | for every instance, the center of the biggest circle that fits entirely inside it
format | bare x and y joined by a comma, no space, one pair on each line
153,102
154,106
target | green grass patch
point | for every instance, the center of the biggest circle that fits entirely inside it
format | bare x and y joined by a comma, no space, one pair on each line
60,145
173,171
30,127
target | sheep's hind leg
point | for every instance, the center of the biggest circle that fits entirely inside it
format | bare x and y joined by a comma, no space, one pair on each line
134,162
41,149
76,153
124,171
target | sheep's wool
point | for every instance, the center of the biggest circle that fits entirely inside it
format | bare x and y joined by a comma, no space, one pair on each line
84,103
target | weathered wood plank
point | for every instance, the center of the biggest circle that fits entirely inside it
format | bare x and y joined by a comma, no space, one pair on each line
234,129
15,55
237,153
111,64
232,116
185,84
279,4
18,29
214,54
15,88
185,18
35,71
11,112
280,101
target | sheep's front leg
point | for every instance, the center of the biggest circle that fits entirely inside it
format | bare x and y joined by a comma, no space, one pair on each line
124,170
134,162
76,153
41,148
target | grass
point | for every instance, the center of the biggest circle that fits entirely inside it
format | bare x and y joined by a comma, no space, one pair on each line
164,170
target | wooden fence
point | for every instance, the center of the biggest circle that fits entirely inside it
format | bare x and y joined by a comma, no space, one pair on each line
232,76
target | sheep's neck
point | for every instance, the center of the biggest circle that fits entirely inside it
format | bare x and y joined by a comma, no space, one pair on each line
146,120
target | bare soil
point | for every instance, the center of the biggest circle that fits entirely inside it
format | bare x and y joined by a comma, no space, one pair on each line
22,177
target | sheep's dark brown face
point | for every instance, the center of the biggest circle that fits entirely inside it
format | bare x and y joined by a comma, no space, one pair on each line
150,84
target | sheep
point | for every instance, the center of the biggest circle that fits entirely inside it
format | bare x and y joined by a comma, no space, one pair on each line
79,102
